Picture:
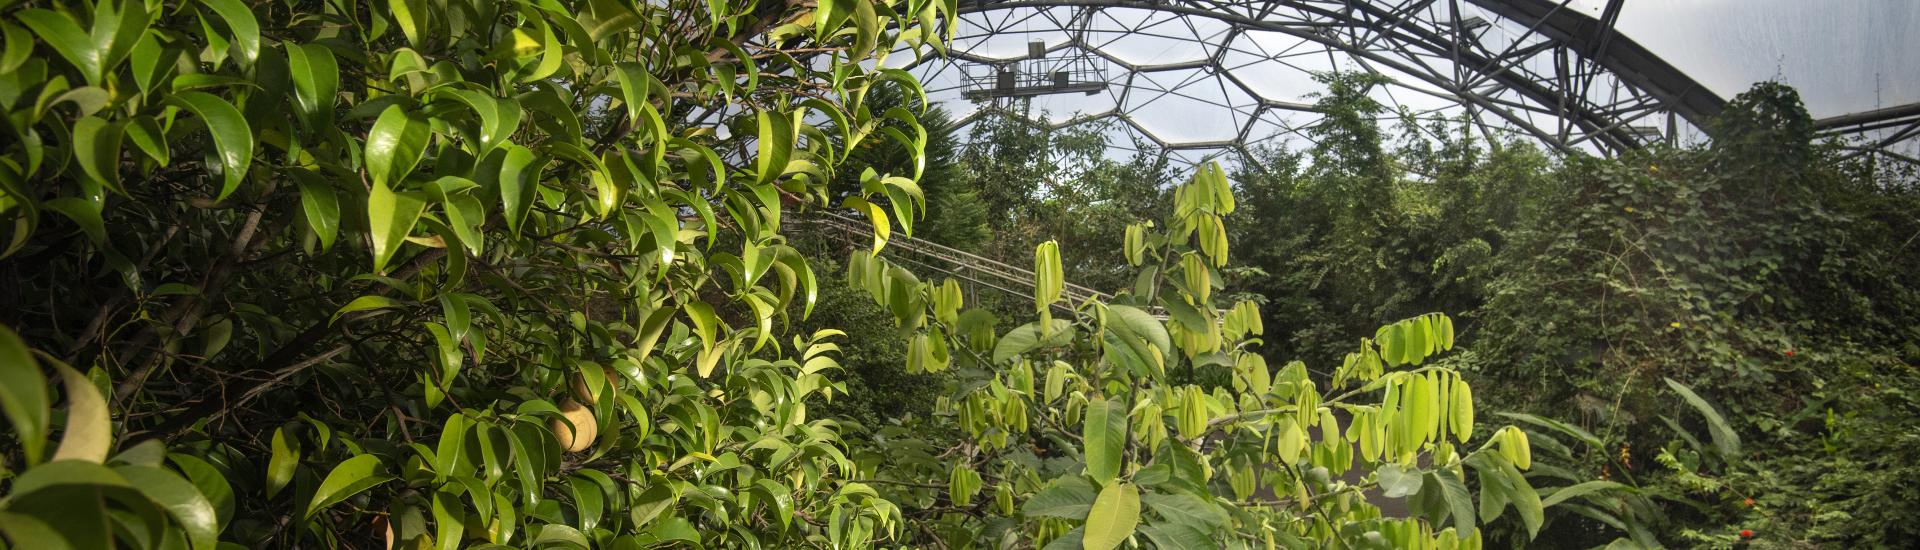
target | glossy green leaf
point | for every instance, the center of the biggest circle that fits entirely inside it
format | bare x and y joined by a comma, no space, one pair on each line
210,482
394,146
391,217
447,516
64,34
282,463
245,28
181,500
232,138
364,303
519,176
775,145
316,81
322,209
146,135
347,479
97,149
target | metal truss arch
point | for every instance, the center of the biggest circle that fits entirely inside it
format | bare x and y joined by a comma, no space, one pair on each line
1535,68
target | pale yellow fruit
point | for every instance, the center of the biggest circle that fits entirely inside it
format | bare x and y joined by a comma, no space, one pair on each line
578,437
579,386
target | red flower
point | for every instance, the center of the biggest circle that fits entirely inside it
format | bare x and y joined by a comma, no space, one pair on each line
1789,353
1749,501
1746,533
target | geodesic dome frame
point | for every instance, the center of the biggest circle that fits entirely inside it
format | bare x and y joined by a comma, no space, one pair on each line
1203,78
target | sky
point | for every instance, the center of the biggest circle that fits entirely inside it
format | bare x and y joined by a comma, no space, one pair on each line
1843,55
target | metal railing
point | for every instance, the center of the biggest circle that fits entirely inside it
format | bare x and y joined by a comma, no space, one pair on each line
945,260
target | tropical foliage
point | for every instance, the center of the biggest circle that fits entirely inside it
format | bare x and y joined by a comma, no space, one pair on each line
1087,430
438,274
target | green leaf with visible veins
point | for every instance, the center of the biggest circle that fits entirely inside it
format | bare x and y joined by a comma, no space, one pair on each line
1115,513
1105,436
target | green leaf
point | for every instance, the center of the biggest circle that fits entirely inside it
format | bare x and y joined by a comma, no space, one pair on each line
453,436
322,209
68,496
282,463
407,15
634,86
84,214
1132,321
146,134
1068,497
23,395
882,228
775,145
1459,501
391,217
1104,436
1577,490
364,303
1178,536
519,175
1398,481
394,146
1725,440
1562,427
1525,500
64,34
21,527
447,515
554,533
18,47
232,138
246,29
657,498
180,499
1114,515
347,479
88,435
1072,540
210,482
778,497
316,81
1186,509
1027,338
97,149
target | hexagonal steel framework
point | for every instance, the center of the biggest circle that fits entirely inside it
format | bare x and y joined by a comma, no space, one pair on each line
1203,78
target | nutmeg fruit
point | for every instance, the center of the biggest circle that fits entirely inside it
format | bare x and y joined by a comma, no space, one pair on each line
580,435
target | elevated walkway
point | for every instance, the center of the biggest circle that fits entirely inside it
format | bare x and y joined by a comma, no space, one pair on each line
934,257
